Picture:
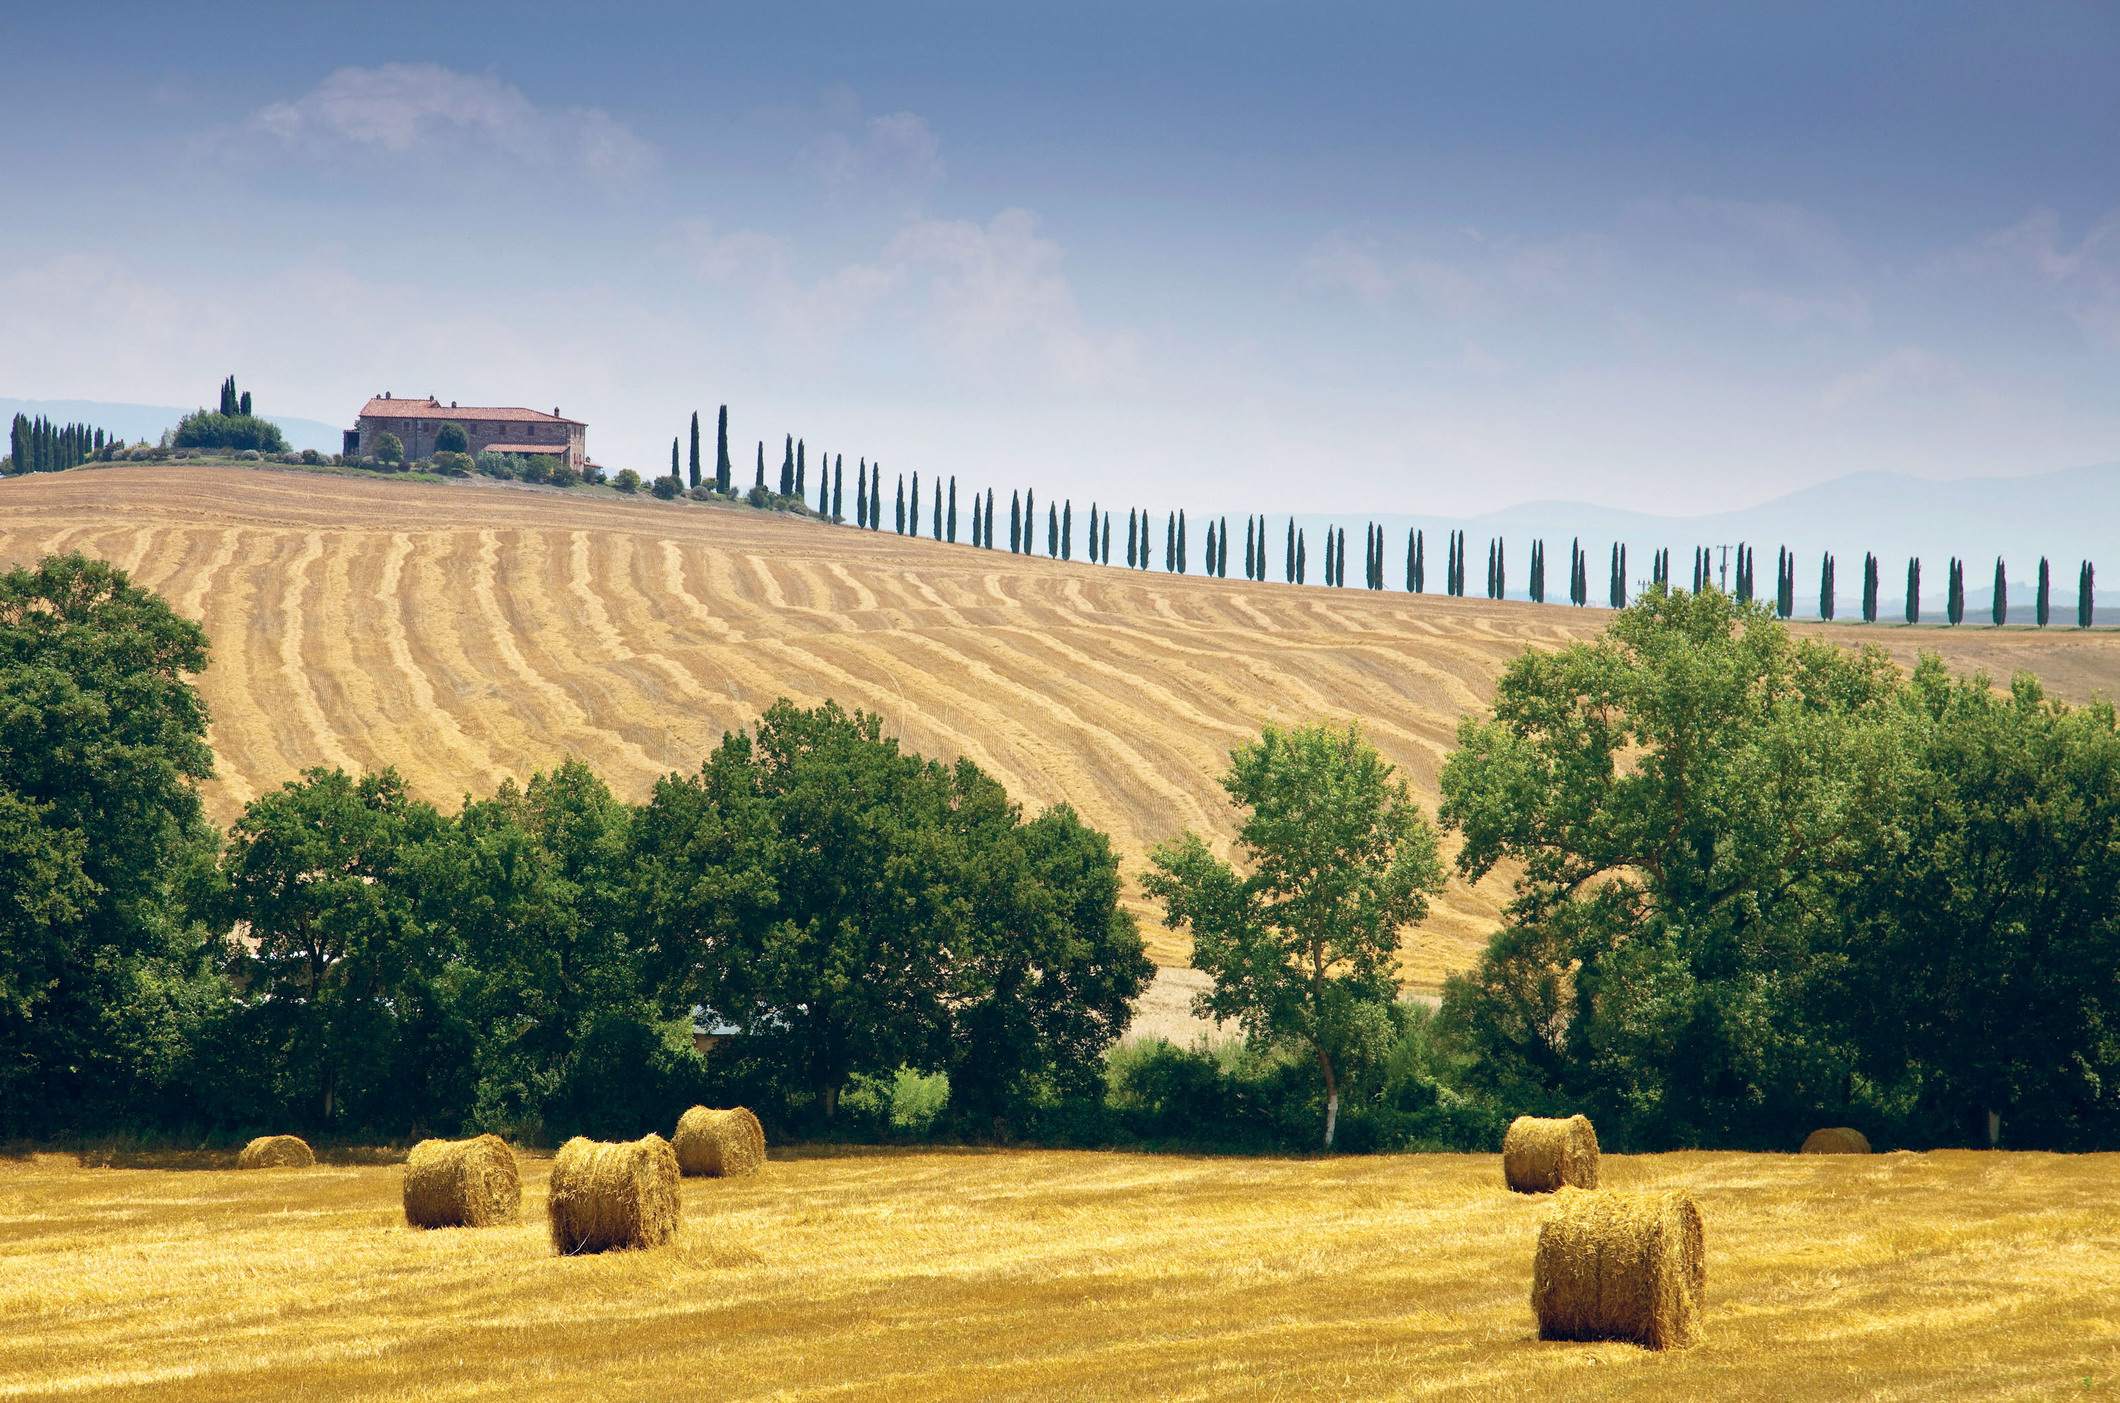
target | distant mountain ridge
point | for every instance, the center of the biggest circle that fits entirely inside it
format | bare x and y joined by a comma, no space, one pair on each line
134,422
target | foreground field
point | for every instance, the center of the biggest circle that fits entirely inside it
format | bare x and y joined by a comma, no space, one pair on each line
1056,1276
470,632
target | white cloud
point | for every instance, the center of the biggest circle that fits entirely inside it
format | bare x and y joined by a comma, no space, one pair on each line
1906,370
808,320
1340,260
2085,276
997,295
424,109
897,160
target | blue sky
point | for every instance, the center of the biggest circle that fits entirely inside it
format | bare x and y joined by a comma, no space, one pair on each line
1410,258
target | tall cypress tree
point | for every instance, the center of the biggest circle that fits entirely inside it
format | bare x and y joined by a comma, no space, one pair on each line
1092,533
1869,588
1302,559
2041,600
1913,589
839,482
1618,592
1184,555
1170,543
761,464
693,465
1825,588
824,485
1015,523
1251,571
1131,536
787,471
802,468
914,519
1999,606
1330,547
1104,544
901,501
1052,531
721,452
1537,583
2086,604
1954,597
1501,568
1290,570
1222,551
861,493
953,509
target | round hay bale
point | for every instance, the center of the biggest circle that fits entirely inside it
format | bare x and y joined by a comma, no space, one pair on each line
1839,1140
276,1152
462,1184
1539,1155
605,1196
1620,1266
719,1144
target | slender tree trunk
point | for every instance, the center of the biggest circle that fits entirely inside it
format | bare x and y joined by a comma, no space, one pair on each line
1332,1097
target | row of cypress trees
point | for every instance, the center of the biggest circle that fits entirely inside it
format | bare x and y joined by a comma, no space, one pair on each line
40,446
942,517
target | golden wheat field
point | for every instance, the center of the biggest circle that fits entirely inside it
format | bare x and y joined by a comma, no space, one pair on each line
1057,1275
470,632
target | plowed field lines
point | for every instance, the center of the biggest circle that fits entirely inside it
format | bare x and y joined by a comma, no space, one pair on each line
471,632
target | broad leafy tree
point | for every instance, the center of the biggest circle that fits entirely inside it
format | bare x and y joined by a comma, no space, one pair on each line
1336,860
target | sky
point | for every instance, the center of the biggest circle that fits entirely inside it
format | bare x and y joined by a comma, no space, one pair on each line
1409,258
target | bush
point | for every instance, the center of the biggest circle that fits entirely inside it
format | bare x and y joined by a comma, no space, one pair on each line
451,464
389,448
251,455
533,468
907,1102
758,497
229,431
667,487
451,438
497,465
312,457
627,480
564,476
592,474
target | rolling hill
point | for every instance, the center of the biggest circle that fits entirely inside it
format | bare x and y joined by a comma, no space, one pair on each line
474,631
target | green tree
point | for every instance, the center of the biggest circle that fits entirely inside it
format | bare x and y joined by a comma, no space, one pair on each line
1301,944
389,448
2042,602
324,871
451,438
1685,801
722,466
102,745
692,462
627,480
1999,602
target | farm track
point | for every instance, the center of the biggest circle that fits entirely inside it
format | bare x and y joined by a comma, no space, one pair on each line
472,632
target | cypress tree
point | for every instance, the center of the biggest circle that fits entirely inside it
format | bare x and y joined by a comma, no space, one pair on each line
839,482
2044,596
914,519
1170,543
1290,570
802,485
935,512
1954,595
1825,588
1030,521
761,464
2086,605
1419,581
1250,547
1015,523
953,509
673,458
1209,556
1092,533
1104,543
1222,552
1618,592
824,485
1913,589
1302,559
1999,606
1501,568
1869,588
989,530
1329,547
787,473
1052,531
900,524
693,465
721,452
861,493
1184,555
1131,534
1537,583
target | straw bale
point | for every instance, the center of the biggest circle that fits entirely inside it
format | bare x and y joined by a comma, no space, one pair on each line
719,1144
1620,1266
276,1152
462,1184
1838,1140
604,1196
1539,1155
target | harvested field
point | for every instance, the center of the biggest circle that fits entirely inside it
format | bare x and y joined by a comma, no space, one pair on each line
1050,1275
471,632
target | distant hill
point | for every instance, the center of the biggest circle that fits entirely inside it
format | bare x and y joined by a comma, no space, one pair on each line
137,421
2067,516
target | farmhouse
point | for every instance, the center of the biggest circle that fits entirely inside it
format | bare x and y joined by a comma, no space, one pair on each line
491,430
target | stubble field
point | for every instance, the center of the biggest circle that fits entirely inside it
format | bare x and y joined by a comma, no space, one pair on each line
471,632
1056,1276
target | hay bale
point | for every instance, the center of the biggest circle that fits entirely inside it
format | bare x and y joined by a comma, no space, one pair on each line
276,1152
719,1144
604,1196
1539,1156
1839,1140
1620,1266
462,1184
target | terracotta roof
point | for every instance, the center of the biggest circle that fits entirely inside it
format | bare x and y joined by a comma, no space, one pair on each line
434,409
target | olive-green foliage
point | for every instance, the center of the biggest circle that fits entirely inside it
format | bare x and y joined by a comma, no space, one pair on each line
102,848
856,909
451,438
1689,799
1302,946
230,431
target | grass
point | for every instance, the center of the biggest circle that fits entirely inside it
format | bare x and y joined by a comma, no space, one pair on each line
1050,1275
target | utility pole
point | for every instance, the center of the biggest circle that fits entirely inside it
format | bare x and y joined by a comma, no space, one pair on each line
1724,568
